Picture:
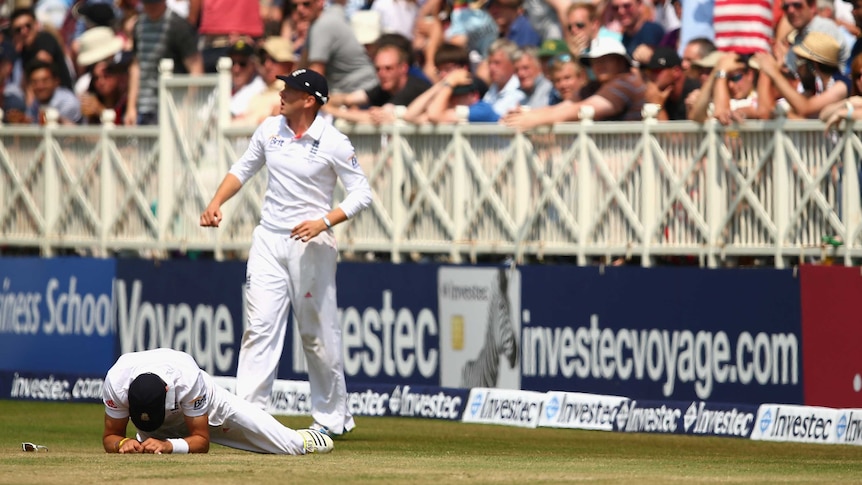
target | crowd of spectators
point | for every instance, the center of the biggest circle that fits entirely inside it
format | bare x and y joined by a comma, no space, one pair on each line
523,63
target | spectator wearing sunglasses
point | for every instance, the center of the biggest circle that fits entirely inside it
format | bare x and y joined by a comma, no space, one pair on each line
730,91
548,51
802,16
818,57
582,27
246,83
33,43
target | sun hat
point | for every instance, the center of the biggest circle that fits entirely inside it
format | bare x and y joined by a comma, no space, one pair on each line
147,395
366,26
819,47
279,48
98,44
605,46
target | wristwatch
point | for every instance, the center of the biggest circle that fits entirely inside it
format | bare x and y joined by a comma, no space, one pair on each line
722,74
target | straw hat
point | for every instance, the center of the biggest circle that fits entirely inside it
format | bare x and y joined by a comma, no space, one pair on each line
279,48
98,44
366,26
819,47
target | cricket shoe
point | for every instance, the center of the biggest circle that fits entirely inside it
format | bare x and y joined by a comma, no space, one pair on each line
315,441
323,429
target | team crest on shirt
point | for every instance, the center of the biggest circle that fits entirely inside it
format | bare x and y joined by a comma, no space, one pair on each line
353,161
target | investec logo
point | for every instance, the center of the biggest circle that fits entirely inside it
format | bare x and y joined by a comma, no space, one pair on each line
631,418
476,405
440,405
698,420
849,428
806,426
574,411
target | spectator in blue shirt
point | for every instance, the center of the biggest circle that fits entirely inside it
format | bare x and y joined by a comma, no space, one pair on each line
513,24
44,81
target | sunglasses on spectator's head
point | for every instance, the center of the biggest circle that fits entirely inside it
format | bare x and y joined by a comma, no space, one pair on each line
794,5
302,4
240,62
33,447
560,58
622,6
579,25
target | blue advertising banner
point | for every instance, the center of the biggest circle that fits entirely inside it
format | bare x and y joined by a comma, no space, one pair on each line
192,306
55,315
662,333
390,330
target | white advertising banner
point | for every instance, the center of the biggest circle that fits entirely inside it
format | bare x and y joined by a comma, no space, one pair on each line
504,406
803,424
577,410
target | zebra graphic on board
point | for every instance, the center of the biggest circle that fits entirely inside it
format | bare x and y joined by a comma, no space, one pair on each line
499,339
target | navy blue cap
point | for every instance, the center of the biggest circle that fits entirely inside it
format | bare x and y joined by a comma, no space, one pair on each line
310,82
147,395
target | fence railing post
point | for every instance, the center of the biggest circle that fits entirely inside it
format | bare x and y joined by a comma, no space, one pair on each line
167,149
782,170
714,192
108,194
588,180
649,177
52,183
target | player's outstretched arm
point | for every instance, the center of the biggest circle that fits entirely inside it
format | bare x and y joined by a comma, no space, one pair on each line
114,437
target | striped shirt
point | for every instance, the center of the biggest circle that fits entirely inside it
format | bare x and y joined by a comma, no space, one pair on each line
626,93
743,26
168,37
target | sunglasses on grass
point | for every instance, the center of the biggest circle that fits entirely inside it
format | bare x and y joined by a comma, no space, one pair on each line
33,447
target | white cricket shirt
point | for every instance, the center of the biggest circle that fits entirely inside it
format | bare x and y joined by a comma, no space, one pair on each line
190,390
302,172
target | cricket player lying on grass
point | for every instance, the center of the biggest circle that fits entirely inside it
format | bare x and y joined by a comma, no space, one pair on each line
177,408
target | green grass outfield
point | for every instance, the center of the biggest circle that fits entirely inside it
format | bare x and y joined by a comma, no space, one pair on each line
413,451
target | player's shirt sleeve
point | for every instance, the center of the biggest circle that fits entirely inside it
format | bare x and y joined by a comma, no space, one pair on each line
115,398
347,167
253,158
195,402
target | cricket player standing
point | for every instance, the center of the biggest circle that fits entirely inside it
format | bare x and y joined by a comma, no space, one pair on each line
293,253
177,408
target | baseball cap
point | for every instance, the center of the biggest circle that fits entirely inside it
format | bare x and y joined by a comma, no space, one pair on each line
310,82
605,46
100,14
462,89
147,395
553,47
241,48
663,58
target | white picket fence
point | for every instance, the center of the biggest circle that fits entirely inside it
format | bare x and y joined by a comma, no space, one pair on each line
589,192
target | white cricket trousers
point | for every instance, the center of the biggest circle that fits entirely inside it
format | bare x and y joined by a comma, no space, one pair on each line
283,272
239,424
